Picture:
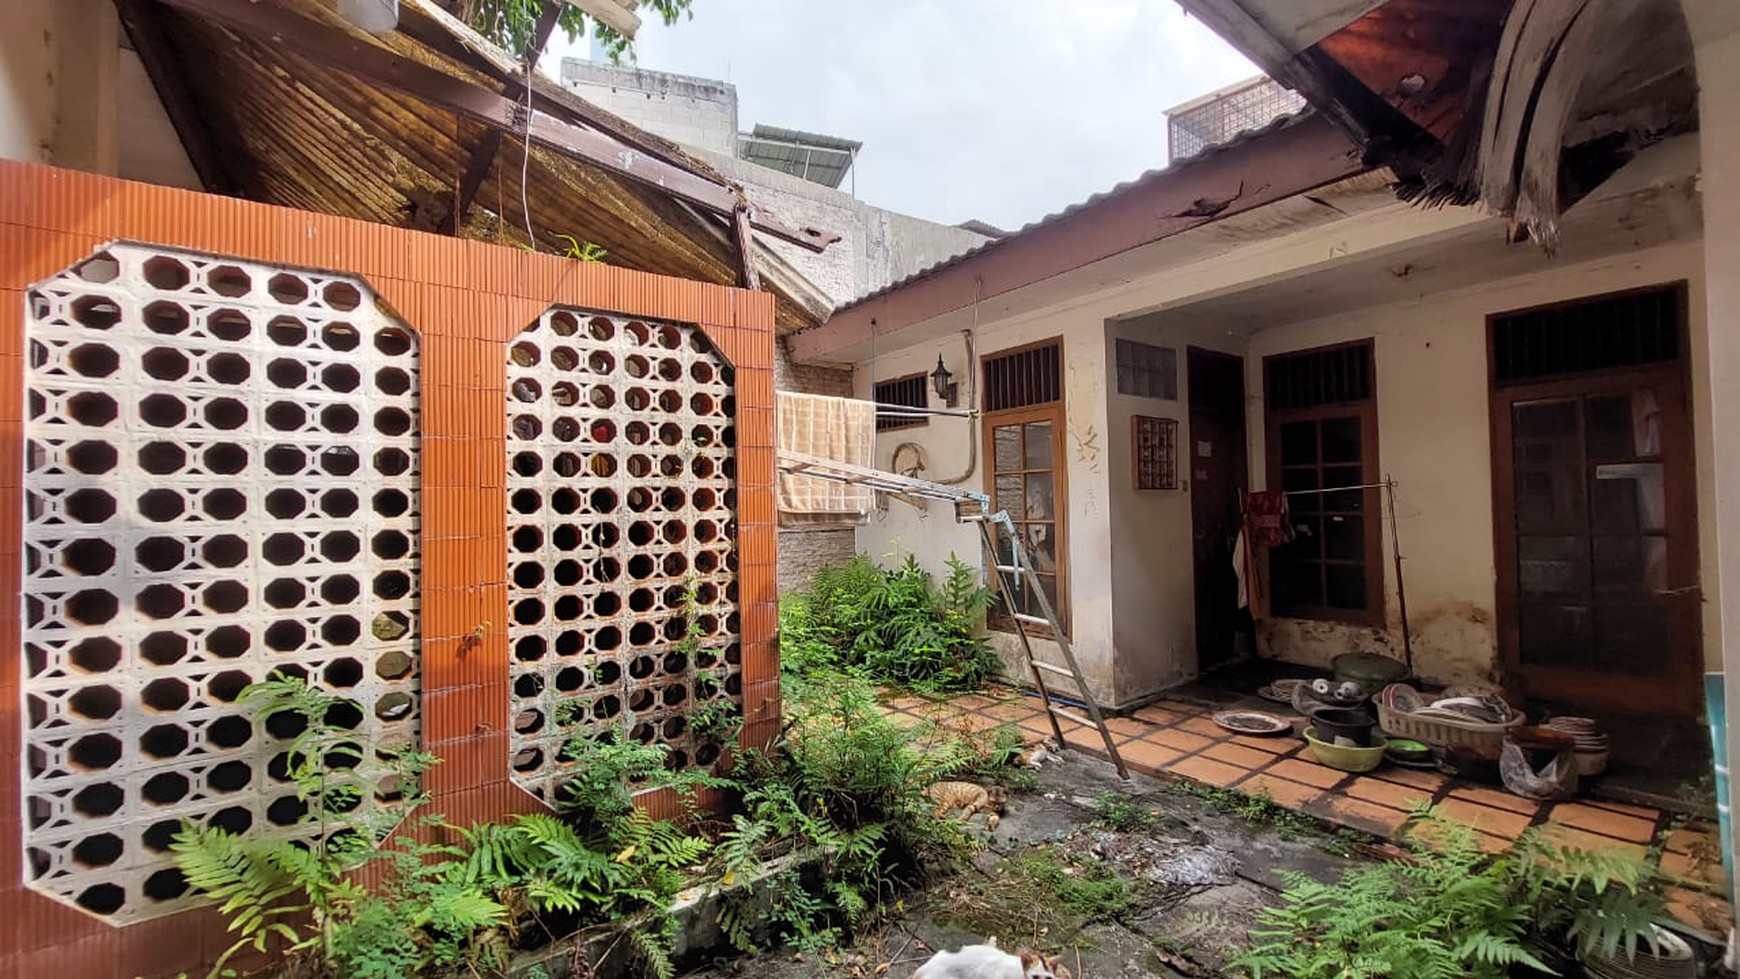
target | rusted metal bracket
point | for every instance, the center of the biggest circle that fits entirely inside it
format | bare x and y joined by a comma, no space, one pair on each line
266,20
483,157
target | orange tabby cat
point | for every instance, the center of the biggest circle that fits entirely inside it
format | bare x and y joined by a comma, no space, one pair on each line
969,799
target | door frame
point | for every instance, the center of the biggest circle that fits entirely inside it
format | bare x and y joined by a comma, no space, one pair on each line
1239,419
1057,413
1680,690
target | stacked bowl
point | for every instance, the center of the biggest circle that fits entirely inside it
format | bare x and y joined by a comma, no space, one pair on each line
1591,742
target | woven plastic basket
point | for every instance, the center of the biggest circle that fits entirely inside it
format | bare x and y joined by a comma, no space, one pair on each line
1485,737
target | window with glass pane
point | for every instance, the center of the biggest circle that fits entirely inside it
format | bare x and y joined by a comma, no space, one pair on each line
1322,421
1025,484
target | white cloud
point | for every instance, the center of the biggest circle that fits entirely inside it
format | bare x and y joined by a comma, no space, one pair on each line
1002,110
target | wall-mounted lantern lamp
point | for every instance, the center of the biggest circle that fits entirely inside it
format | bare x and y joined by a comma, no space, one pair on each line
943,383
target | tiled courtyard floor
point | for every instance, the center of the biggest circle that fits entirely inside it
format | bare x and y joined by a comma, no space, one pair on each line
1178,739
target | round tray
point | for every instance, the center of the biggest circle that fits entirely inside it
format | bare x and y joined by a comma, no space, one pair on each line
1252,722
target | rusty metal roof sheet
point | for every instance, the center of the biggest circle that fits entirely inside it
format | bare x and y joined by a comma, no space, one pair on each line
1103,198
292,126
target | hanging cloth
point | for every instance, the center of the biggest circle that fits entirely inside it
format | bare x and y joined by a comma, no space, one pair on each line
1267,519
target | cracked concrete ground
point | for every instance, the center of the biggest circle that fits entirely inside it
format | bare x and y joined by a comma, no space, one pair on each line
1207,873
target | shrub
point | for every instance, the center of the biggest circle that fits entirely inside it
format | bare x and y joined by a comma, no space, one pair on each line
891,626
848,784
1453,911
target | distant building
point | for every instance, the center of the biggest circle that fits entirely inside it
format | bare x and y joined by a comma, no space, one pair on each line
1220,115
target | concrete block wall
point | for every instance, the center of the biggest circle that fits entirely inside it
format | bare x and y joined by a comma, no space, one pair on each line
697,112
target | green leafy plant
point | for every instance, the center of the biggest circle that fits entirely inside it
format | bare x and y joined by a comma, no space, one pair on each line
588,251
513,23
891,626
296,888
1121,814
846,784
1453,910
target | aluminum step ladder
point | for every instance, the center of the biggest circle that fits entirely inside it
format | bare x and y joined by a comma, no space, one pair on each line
1001,543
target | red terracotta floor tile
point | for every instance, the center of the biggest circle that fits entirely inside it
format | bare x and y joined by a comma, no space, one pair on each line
1204,727
1277,745
1128,727
1703,911
1208,770
1584,840
1399,797
1182,740
1309,772
1281,791
1413,778
1159,715
1234,754
1497,799
1501,822
1605,822
1359,814
1179,707
1623,808
1150,758
1690,839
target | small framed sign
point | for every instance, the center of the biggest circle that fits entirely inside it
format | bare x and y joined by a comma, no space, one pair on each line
1154,452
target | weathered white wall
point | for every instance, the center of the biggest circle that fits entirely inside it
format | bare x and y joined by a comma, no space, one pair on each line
949,444
698,112
1434,439
1154,609
73,96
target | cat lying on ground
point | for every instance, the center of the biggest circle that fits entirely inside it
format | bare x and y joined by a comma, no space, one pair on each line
987,962
1038,755
969,799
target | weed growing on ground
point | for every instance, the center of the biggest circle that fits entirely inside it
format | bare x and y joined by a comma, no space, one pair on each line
1040,897
1121,814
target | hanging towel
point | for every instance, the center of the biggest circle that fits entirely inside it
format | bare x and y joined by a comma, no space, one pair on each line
840,429
1250,583
1267,519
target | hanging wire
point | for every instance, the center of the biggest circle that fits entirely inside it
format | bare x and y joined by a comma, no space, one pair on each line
526,157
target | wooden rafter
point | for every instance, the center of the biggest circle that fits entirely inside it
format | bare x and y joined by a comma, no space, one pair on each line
378,65
483,157
142,21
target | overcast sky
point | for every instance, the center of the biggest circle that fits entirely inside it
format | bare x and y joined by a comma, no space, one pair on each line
1002,110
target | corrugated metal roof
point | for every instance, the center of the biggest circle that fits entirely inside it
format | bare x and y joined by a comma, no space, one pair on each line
1102,198
297,129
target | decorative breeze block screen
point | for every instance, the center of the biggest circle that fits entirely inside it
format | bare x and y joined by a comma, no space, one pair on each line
622,553
220,482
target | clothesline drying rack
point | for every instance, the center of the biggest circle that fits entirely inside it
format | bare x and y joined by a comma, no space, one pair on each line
1001,543
1388,485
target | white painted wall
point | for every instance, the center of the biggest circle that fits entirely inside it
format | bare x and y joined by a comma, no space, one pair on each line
1433,438
73,96
949,444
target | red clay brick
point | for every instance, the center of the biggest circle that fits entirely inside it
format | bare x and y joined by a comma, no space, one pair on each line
1620,827
1208,770
1309,772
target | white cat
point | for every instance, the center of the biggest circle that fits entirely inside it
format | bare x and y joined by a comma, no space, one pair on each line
986,962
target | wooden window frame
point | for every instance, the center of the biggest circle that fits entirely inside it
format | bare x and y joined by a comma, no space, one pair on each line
1053,411
1366,412
896,424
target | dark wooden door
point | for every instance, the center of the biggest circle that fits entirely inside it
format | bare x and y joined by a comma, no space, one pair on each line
1595,511
1214,457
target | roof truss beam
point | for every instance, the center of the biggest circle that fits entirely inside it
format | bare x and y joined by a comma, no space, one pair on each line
377,65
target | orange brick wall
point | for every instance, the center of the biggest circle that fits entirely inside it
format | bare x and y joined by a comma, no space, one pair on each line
465,300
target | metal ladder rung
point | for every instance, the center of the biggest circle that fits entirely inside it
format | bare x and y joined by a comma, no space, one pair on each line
1049,668
1009,568
1032,619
